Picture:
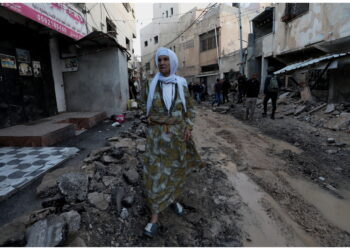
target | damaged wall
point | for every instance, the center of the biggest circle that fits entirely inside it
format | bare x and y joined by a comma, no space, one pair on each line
323,22
100,84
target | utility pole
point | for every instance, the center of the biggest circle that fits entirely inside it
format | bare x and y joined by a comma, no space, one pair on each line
238,5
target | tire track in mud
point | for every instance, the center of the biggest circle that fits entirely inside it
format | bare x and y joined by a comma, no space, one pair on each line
243,148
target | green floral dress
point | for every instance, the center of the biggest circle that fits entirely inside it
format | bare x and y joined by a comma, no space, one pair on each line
168,159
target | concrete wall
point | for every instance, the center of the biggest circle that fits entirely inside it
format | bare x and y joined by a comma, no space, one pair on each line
96,18
323,22
100,84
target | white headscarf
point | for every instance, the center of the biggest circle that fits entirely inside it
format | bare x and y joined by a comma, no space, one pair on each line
173,78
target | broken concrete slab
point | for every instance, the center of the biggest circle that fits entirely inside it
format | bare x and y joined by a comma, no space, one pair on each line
100,151
50,232
109,180
74,186
98,200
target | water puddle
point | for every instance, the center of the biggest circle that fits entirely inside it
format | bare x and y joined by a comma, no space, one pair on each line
335,210
262,230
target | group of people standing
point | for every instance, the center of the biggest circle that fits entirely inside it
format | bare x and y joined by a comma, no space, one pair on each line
197,91
249,90
221,88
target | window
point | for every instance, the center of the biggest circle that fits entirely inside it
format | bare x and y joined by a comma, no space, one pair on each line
146,43
133,35
127,7
167,14
133,13
80,6
293,10
171,11
148,66
155,39
127,42
208,41
111,27
211,67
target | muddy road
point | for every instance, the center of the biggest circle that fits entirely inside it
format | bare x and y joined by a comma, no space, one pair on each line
279,205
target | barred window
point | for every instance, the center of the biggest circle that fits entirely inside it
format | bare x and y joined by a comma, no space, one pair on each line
208,41
295,9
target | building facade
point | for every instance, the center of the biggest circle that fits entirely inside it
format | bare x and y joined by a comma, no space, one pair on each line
288,33
206,41
54,60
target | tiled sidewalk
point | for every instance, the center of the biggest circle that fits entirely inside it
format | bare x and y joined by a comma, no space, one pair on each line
21,165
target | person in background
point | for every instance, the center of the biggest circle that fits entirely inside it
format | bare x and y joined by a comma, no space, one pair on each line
225,89
218,92
271,88
252,92
191,88
241,79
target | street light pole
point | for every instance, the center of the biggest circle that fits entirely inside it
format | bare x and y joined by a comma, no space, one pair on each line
241,69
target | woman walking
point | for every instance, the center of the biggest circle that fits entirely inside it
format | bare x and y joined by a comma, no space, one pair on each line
170,152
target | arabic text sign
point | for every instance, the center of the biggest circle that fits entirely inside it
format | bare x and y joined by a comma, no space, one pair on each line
57,16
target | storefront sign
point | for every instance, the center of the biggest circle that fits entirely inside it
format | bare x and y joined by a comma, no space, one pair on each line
23,55
70,64
57,16
25,69
8,62
36,69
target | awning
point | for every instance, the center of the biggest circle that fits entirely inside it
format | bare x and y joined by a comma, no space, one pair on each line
310,62
100,40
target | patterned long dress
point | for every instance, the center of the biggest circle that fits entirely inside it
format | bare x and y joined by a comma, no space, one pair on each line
168,159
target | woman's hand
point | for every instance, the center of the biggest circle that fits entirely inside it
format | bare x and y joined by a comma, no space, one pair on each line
188,134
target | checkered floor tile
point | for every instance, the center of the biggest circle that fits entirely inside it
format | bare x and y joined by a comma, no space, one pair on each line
21,165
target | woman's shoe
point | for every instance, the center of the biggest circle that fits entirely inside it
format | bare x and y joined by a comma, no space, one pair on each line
150,230
178,208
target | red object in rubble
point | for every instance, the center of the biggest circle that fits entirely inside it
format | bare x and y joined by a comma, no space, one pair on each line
120,118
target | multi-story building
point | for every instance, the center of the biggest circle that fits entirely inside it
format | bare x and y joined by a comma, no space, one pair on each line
162,30
58,57
206,41
290,33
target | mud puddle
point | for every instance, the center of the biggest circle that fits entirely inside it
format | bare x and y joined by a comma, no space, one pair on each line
334,209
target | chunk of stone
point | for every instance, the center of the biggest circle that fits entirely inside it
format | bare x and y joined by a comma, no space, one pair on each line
331,140
73,219
109,181
50,232
331,151
141,148
131,176
74,186
108,159
98,200
118,194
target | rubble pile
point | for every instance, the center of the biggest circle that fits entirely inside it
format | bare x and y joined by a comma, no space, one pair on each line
319,114
103,204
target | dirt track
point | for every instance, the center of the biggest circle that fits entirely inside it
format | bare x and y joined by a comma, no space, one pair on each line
277,207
